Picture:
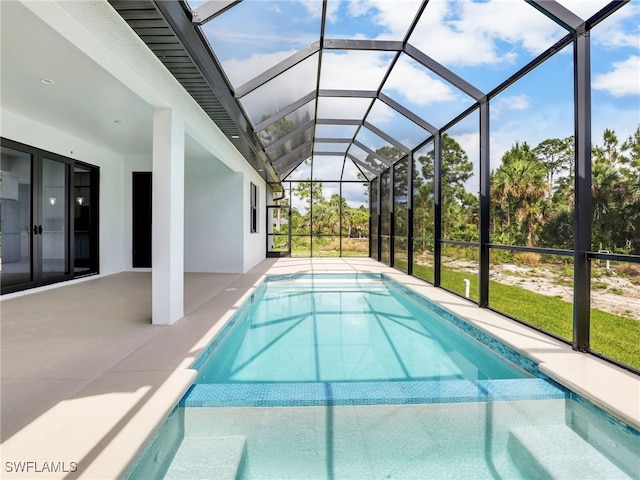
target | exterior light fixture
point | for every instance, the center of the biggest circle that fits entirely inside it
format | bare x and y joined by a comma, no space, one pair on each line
80,200
235,136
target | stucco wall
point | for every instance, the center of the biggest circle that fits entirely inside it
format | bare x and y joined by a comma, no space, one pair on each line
213,219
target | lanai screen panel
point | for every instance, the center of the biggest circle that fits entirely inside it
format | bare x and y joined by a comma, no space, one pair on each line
254,36
424,93
387,20
274,129
281,91
396,125
401,69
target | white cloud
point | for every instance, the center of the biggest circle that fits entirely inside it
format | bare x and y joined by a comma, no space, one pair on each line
343,108
516,102
353,193
394,15
584,8
357,8
622,29
314,8
513,102
380,115
464,32
519,24
419,87
622,80
353,70
539,123
438,35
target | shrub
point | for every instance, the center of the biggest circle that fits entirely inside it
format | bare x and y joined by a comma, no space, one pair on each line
528,258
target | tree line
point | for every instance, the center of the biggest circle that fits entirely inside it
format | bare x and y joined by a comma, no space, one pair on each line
532,194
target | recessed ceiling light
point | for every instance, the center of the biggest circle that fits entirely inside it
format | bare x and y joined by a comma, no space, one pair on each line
119,122
47,81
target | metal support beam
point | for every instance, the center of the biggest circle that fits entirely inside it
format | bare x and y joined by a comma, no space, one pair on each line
347,93
211,9
407,113
297,153
386,137
277,69
286,172
338,121
321,153
374,154
437,214
362,164
443,72
558,13
410,174
285,111
332,140
392,223
340,221
582,220
485,169
302,128
361,44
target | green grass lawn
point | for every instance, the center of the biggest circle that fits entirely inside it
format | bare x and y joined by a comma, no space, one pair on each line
612,335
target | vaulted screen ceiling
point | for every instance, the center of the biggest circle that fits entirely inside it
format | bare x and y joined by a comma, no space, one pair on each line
345,88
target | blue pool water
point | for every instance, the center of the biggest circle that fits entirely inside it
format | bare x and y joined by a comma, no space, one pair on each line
377,382
351,329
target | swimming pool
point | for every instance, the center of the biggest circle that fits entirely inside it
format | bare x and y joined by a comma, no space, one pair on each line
378,383
320,328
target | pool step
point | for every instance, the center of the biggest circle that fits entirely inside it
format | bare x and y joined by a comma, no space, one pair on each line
216,458
556,451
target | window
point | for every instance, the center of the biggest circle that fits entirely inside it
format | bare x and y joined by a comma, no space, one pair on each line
254,208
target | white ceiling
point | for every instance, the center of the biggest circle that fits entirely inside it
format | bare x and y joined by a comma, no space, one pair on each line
85,100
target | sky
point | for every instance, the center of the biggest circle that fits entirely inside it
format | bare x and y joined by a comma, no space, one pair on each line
483,42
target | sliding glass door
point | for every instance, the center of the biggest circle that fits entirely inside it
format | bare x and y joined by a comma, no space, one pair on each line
85,219
16,228
39,210
52,238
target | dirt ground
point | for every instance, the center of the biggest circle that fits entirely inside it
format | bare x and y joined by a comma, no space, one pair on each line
610,291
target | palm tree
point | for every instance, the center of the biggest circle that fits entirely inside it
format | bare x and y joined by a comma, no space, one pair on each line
518,190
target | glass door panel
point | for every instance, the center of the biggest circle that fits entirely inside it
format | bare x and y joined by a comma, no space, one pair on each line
55,214
15,217
39,217
85,221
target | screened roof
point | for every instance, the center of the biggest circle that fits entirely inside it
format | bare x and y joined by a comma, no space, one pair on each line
326,85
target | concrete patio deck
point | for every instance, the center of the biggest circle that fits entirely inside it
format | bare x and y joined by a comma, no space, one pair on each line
86,378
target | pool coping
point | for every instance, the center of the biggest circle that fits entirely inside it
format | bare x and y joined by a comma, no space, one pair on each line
611,388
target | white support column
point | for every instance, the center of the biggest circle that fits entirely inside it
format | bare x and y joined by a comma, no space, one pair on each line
167,230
